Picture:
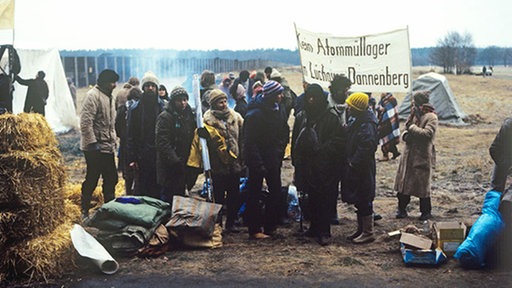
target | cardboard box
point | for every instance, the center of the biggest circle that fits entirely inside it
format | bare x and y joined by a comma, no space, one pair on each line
415,241
422,256
449,236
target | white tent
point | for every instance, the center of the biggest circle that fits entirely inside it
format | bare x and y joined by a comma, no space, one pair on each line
60,110
441,97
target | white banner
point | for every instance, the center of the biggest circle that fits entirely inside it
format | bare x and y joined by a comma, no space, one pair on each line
374,63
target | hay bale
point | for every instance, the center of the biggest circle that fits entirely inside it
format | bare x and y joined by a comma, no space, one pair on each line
25,132
41,258
26,178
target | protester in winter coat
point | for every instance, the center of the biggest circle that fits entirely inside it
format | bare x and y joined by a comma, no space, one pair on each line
224,87
241,102
175,128
418,160
225,174
122,94
501,153
266,134
207,82
134,94
389,130
289,97
338,92
37,93
141,150
359,181
163,94
98,139
246,81
317,140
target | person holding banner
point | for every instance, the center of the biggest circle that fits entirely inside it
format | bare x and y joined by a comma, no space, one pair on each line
226,171
359,180
266,134
175,128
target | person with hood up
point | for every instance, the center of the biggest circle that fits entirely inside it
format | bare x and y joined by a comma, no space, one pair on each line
359,181
317,140
37,93
175,128
418,158
226,172
98,139
266,134
163,94
140,133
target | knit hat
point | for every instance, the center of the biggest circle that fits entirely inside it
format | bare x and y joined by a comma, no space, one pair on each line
178,92
421,97
149,77
272,88
107,76
315,90
358,101
215,95
231,75
275,74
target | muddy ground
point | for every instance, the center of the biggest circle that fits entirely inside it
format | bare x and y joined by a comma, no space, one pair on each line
460,182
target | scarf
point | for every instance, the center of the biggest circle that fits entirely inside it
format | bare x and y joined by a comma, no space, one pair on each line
221,114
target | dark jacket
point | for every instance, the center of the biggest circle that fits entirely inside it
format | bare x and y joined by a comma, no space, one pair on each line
318,162
359,180
37,94
140,133
174,134
501,147
266,134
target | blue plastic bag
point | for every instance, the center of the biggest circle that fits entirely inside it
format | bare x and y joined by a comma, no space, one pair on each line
483,234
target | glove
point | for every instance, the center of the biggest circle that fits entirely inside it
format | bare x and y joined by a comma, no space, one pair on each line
203,133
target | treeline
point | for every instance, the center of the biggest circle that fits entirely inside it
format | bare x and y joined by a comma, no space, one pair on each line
420,56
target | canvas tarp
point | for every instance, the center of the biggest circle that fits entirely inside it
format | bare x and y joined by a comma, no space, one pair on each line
442,97
60,110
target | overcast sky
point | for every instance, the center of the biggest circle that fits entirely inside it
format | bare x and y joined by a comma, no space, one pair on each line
241,25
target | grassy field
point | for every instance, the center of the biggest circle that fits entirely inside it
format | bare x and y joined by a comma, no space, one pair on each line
460,182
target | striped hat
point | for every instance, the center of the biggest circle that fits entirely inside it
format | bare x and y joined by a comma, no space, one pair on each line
179,92
272,88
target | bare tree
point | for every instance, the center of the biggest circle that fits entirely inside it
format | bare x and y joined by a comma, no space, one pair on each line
455,53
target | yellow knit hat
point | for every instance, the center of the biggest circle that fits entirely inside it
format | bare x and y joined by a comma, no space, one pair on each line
358,101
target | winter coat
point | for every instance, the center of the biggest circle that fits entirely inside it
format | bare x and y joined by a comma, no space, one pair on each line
418,159
97,122
140,133
318,160
231,131
241,107
359,179
501,147
265,135
174,134
37,94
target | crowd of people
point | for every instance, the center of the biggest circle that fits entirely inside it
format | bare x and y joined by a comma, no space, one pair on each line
334,140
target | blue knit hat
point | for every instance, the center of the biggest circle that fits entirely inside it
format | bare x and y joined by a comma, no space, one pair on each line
272,88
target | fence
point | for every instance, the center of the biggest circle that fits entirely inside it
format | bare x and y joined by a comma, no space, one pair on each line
84,70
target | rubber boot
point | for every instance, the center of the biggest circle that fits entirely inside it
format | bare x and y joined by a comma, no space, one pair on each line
367,235
359,228
425,209
403,201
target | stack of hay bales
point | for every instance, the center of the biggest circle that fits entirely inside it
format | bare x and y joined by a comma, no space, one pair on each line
35,217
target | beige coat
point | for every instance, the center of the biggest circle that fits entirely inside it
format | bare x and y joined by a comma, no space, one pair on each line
418,159
97,119
231,131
